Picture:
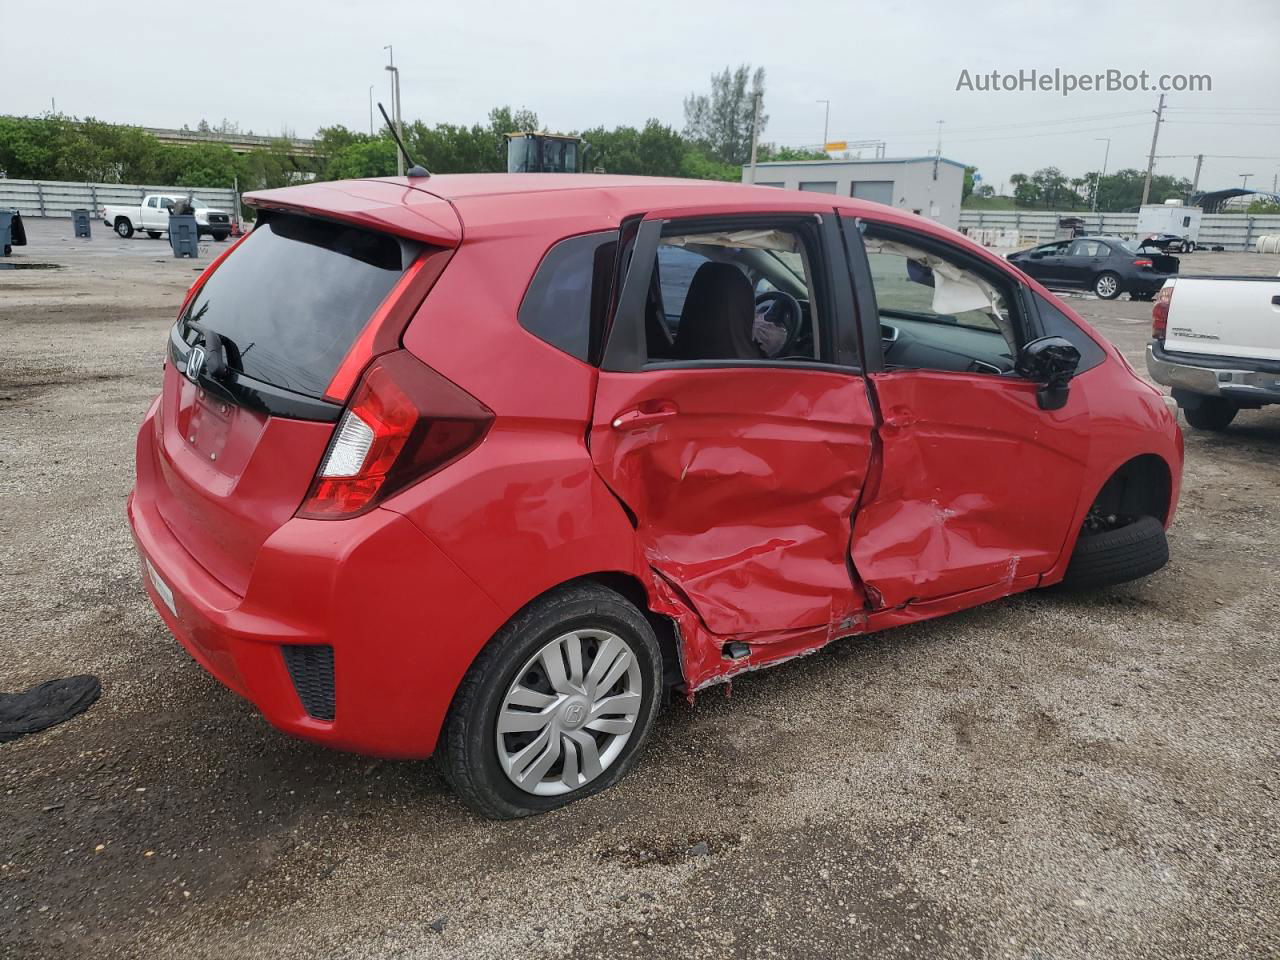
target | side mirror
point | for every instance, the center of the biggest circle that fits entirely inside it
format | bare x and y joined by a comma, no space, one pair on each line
1050,362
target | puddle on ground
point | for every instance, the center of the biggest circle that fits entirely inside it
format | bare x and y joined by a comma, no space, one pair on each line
29,266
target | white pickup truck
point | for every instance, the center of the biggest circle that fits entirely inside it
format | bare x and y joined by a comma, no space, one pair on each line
152,216
1216,342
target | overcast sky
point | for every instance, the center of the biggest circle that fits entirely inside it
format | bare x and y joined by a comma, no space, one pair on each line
889,70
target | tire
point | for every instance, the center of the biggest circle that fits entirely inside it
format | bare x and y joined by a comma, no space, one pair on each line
220,236
473,756
124,227
153,234
1211,413
1109,282
1145,297
1117,556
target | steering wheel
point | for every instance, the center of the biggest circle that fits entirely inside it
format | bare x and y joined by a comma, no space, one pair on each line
785,313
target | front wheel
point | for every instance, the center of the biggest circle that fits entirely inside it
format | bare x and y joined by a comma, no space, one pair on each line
1118,555
1211,413
124,228
1107,286
221,235
556,707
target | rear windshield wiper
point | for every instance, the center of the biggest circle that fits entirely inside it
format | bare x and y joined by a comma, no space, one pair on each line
222,355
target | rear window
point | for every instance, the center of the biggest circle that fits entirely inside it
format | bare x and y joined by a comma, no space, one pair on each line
294,296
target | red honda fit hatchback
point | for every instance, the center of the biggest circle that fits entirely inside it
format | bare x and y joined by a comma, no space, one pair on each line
487,465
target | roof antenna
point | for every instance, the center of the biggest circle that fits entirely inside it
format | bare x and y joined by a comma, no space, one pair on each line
415,170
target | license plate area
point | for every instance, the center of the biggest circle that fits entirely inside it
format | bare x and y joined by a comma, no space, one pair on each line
161,588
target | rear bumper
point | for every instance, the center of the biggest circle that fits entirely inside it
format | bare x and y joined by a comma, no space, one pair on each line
1246,387
1143,283
403,621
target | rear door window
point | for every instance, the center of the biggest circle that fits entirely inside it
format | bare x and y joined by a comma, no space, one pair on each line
294,296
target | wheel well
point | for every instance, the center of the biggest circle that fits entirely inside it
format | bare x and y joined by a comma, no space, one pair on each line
1141,487
633,590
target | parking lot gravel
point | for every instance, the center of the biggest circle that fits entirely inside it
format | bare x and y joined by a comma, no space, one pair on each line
1050,776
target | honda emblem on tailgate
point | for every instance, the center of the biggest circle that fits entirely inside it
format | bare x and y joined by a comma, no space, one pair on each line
195,363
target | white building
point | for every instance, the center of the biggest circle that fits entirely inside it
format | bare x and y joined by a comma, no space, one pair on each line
929,186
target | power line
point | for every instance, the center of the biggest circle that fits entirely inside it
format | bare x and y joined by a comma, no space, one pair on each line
1016,136
1219,123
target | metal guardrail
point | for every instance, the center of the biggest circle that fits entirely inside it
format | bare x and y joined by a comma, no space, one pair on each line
239,142
1235,232
58,198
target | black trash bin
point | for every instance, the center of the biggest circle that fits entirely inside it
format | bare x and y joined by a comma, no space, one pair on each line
184,235
11,232
80,221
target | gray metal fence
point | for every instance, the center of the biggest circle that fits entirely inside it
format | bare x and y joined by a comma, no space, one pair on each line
57,198
1234,231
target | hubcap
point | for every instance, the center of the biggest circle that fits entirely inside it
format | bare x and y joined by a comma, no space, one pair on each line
569,712
1106,286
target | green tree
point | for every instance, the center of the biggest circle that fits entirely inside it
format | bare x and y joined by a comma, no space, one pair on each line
720,121
769,151
655,151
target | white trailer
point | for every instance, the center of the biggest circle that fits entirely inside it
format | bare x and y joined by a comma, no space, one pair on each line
1173,226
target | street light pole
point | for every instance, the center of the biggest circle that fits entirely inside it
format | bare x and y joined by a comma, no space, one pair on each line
1244,180
1097,183
826,125
395,106
371,109
755,138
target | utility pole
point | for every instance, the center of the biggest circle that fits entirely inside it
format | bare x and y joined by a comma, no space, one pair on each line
1195,181
371,109
1097,183
826,125
755,138
937,158
1151,157
395,106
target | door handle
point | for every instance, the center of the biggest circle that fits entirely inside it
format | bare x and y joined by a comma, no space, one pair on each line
649,412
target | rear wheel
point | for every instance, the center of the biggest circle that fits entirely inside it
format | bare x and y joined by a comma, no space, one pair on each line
124,227
153,234
556,707
1107,285
1118,554
1211,413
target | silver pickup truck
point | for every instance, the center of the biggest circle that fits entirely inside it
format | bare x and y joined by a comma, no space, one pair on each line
1216,342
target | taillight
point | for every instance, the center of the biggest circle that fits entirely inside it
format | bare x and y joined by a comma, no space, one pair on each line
1160,312
1144,263
404,422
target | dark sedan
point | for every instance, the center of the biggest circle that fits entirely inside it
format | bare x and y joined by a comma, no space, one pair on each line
1107,266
